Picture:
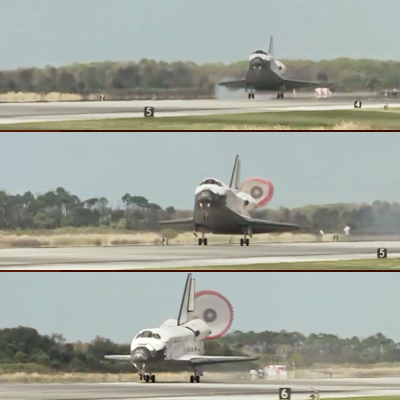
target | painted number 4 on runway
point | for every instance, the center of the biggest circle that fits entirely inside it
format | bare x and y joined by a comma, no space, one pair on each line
382,253
285,393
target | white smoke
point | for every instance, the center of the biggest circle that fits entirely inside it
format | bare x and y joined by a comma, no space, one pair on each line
222,93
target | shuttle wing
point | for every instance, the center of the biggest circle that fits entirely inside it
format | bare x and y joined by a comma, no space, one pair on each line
119,358
266,223
183,221
239,84
204,360
297,83
263,225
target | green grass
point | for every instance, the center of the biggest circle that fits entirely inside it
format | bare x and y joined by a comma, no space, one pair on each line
362,265
296,120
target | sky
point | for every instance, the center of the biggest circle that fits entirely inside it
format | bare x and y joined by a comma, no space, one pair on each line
117,305
166,167
40,32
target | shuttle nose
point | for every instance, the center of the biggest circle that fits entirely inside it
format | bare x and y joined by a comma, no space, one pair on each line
205,198
257,62
138,358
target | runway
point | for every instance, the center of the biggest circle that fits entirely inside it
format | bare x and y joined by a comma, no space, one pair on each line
259,390
14,113
180,256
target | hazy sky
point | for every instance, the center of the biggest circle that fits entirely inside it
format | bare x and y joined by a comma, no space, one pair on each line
118,304
40,32
306,168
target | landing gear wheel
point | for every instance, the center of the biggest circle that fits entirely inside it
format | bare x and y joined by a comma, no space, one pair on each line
147,378
197,379
241,242
141,377
205,242
200,242
251,96
191,378
280,95
153,378
247,242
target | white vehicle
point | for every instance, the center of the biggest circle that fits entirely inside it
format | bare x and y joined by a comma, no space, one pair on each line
203,315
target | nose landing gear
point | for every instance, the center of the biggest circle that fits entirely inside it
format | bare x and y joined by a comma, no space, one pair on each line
245,241
148,378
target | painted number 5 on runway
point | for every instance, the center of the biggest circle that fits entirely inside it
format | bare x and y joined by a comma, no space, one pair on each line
382,253
149,112
285,393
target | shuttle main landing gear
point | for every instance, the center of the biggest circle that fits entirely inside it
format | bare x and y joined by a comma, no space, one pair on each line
250,95
195,377
148,378
203,240
280,95
244,241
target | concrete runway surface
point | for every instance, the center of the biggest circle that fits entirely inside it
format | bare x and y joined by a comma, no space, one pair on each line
13,113
175,256
258,390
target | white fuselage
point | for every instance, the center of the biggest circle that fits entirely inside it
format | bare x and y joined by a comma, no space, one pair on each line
168,343
277,66
239,202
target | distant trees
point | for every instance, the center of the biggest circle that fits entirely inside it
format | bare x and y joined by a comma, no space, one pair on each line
149,75
379,217
286,347
61,209
24,349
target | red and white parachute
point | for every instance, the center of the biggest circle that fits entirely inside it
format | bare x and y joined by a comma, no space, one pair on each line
215,310
259,189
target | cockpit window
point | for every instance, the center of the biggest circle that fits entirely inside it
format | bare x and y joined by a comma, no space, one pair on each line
261,52
211,182
144,334
148,334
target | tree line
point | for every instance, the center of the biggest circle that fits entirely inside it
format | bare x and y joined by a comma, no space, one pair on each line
24,349
347,74
304,351
60,208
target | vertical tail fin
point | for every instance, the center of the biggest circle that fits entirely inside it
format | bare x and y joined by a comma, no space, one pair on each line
235,179
271,45
188,305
